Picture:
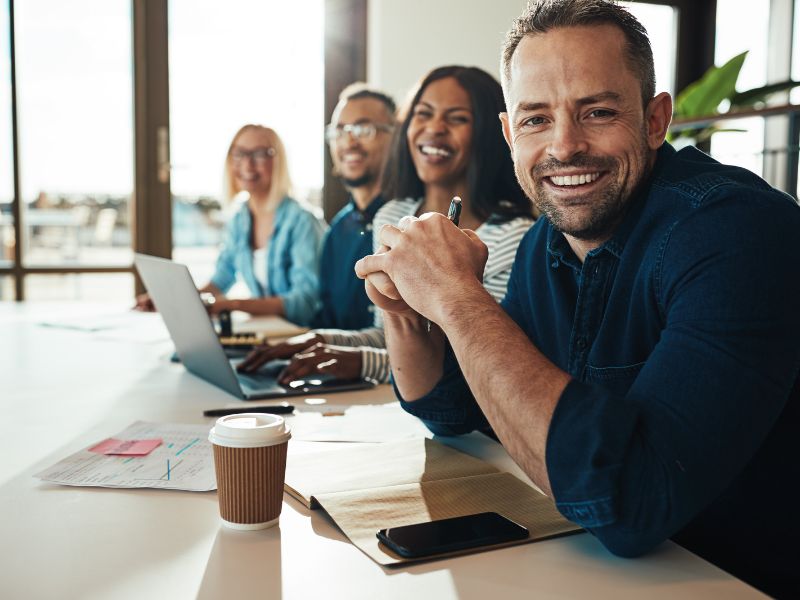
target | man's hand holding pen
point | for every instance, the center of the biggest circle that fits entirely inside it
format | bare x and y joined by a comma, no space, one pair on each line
427,263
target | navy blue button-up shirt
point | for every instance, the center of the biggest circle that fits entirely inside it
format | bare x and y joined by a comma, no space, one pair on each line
345,304
682,335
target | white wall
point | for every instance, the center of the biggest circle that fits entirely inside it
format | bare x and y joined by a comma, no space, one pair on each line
407,38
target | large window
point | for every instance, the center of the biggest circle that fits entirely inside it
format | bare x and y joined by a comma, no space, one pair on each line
74,95
230,64
74,115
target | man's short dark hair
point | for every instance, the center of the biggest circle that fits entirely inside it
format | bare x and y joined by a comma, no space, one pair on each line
541,16
358,90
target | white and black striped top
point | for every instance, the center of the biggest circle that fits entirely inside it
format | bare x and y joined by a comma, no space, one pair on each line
501,238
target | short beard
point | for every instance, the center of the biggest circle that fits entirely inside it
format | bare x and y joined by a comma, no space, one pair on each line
609,205
606,207
359,181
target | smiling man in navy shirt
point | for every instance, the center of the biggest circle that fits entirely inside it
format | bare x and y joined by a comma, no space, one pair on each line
642,368
358,136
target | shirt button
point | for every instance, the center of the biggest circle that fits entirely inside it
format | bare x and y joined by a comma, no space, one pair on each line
580,343
554,264
369,227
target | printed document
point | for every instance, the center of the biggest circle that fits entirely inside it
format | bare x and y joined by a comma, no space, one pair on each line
184,461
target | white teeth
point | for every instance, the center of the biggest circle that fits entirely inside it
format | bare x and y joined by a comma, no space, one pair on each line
574,179
435,151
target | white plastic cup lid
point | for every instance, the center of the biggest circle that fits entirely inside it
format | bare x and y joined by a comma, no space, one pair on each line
249,430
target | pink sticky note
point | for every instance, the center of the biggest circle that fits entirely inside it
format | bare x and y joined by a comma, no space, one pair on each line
126,447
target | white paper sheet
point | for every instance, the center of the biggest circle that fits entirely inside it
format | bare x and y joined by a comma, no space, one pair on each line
186,447
121,325
370,423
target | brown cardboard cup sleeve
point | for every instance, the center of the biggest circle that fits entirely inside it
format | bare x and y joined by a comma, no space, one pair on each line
250,465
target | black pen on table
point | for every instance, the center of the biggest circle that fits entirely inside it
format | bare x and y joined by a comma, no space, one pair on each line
273,410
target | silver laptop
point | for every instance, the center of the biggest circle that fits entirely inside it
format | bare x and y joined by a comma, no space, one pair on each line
197,345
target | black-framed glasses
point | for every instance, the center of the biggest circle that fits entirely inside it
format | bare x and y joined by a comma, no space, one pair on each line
260,155
359,131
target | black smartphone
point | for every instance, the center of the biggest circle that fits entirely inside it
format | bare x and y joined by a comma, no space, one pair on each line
447,535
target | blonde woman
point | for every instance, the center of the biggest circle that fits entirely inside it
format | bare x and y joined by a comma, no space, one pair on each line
271,241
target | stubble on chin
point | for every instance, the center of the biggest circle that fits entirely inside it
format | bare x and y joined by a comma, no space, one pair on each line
592,216
589,218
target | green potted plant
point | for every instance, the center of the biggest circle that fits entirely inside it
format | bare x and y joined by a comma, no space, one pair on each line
709,94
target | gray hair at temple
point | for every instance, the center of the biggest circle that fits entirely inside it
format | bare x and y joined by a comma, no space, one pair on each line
541,16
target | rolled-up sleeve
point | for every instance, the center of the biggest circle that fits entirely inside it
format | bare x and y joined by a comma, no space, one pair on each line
636,468
449,408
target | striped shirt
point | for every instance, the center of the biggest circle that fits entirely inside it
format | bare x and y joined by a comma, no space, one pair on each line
501,238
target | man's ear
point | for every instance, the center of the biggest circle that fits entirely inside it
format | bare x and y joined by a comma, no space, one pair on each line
507,131
658,115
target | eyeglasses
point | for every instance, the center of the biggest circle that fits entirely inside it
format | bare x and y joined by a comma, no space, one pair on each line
260,155
359,131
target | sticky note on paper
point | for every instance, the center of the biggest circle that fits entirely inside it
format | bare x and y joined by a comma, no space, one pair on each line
126,447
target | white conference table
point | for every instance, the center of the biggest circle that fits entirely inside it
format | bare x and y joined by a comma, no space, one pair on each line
65,389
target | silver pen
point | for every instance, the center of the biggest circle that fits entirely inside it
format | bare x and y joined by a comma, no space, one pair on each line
454,212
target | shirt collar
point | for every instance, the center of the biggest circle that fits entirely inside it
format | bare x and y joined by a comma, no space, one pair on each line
368,214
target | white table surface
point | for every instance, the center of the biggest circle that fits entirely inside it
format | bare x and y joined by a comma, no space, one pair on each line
64,389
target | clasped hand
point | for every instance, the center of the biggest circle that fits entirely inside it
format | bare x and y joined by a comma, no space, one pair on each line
423,264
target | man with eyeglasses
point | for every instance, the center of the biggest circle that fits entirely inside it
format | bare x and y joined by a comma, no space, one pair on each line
358,137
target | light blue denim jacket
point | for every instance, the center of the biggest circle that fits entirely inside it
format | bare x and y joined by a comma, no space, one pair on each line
292,259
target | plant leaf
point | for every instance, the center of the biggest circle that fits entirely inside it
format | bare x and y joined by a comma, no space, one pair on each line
704,96
756,95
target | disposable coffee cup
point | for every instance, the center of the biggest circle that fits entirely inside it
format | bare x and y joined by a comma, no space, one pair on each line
250,464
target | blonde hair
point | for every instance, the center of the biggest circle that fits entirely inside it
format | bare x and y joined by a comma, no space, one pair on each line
280,183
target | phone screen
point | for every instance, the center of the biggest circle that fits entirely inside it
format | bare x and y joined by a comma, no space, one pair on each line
447,535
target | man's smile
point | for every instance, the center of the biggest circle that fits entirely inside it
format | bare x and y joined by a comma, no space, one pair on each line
575,182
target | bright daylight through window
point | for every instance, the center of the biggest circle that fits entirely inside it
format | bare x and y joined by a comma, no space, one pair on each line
230,64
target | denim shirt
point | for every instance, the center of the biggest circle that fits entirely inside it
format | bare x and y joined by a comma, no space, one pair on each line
292,259
682,336
345,304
